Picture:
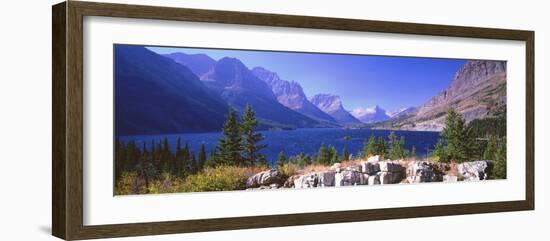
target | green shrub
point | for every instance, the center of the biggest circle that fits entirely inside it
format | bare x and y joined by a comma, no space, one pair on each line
130,183
221,178
288,169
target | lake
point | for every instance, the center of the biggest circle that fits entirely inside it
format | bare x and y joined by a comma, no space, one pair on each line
292,142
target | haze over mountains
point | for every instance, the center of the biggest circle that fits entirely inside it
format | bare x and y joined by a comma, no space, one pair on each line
180,92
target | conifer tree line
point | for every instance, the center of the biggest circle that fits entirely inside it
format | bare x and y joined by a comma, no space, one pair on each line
393,148
157,159
480,139
239,146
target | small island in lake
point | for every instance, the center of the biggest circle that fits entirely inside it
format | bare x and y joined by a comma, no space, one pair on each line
196,120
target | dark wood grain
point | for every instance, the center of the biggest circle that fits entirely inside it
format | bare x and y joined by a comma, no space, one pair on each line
58,121
67,150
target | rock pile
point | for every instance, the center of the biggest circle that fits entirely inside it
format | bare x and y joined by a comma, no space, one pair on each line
373,171
474,171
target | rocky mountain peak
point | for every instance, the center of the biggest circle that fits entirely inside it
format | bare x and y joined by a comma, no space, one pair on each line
327,102
291,95
332,105
478,90
370,115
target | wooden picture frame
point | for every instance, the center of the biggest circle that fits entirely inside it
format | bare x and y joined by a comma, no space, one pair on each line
67,152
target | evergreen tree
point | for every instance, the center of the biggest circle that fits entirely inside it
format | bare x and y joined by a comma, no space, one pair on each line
441,152
153,152
499,168
202,157
177,163
323,156
193,163
306,159
491,149
458,138
120,158
250,138
229,147
186,160
213,159
132,156
144,150
397,147
369,147
345,154
381,146
333,154
413,151
282,159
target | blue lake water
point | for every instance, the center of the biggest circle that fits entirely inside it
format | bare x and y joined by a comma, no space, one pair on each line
292,142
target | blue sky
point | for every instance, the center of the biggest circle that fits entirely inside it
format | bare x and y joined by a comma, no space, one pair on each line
361,81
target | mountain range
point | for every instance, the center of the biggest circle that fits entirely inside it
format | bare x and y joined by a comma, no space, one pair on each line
180,92
291,95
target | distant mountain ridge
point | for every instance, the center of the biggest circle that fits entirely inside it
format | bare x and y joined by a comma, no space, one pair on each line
198,63
370,115
238,86
332,105
291,95
401,112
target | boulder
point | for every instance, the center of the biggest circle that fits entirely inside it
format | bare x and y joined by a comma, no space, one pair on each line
264,178
422,171
315,179
290,181
390,166
310,180
363,179
390,177
357,168
347,178
376,158
473,171
370,167
326,178
374,180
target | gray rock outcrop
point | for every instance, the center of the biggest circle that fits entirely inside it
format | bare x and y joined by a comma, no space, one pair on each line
422,171
265,178
474,171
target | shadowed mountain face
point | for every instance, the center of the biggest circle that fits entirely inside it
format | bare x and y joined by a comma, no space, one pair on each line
155,95
291,95
370,115
477,91
200,64
238,86
332,105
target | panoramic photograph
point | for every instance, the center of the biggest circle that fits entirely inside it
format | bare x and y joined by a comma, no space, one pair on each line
200,119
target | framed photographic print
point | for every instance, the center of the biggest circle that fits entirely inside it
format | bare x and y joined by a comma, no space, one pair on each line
171,120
